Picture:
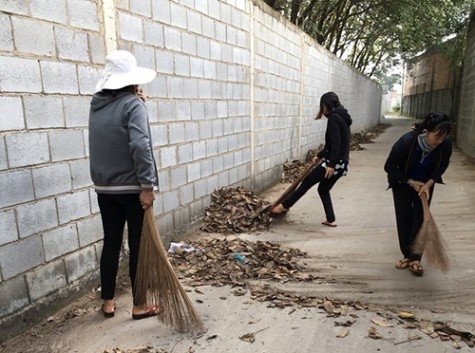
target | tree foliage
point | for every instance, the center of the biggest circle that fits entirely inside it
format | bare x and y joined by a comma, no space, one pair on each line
374,35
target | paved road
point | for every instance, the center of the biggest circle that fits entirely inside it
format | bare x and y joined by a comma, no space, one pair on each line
355,261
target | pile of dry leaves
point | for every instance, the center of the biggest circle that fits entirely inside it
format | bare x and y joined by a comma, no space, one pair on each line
234,261
236,210
366,136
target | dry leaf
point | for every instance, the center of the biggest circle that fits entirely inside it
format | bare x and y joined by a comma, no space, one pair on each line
328,306
381,322
406,315
372,333
426,327
348,322
248,337
343,334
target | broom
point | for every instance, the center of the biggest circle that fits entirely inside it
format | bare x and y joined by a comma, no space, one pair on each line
157,283
428,241
294,185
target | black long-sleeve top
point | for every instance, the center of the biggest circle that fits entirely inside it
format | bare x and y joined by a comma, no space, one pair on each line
337,137
404,159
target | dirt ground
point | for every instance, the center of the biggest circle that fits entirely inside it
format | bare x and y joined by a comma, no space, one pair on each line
359,301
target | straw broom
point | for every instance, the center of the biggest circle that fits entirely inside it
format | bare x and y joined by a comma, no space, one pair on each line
429,242
157,283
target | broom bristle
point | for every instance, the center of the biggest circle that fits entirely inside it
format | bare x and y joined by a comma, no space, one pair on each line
157,283
429,242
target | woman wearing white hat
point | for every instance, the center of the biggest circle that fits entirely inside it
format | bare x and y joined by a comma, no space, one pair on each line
122,168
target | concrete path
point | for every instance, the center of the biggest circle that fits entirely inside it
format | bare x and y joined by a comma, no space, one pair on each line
355,262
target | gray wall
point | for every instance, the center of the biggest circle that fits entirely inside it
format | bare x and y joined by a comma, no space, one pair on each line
466,117
235,97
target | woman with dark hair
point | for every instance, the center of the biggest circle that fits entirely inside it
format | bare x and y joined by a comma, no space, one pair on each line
333,159
416,162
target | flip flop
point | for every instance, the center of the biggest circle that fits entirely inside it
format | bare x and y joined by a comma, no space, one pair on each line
402,264
416,268
329,224
107,314
152,311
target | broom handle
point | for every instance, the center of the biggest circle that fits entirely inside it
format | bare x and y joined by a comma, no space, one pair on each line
294,185
425,207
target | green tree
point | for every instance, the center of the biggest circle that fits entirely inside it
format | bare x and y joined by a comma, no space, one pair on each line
374,35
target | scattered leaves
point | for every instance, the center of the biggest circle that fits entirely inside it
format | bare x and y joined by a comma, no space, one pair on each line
372,333
343,334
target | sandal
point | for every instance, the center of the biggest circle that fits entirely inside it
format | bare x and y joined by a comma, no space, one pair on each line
402,264
416,268
329,224
278,211
152,311
108,314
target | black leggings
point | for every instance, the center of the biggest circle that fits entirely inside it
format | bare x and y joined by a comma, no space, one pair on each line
116,209
409,217
316,176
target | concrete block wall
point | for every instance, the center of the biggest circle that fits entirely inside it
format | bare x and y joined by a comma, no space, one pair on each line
236,93
466,118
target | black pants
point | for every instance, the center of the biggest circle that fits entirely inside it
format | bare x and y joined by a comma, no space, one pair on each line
409,217
116,209
316,176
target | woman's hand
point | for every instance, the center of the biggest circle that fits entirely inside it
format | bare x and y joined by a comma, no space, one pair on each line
425,188
139,93
146,199
315,160
329,172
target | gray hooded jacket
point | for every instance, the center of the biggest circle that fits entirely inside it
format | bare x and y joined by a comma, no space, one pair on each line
120,146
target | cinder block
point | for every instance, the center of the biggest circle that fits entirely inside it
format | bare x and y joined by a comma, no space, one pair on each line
73,206
204,88
177,133
17,187
15,6
67,144
76,111
191,90
141,7
202,6
223,179
11,117
188,43
93,201
80,176
164,178
203,45
211,148
130,28
153,33
206,166
6,36
166,111
46,279
168,156
161,11
90,230
197,67
27,149
85,14
53,10
36,217
19,75
81,263
172,38
209,71
159,135
88,77
43,111
3,154
186,194
179,15
52,180
170,200
13,296
194,21
60,241
8,227
220,31
199,150
72,45
208,27
145,56
181,217
33,37
218,163
21,256
178,176
212,183
192,132
200,188
183,111
97,50
53,74
185,153
182,65
193,171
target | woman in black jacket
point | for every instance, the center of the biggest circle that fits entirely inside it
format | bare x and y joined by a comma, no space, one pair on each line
416,162
333,159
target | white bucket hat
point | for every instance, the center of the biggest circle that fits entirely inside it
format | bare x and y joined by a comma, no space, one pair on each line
121,70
